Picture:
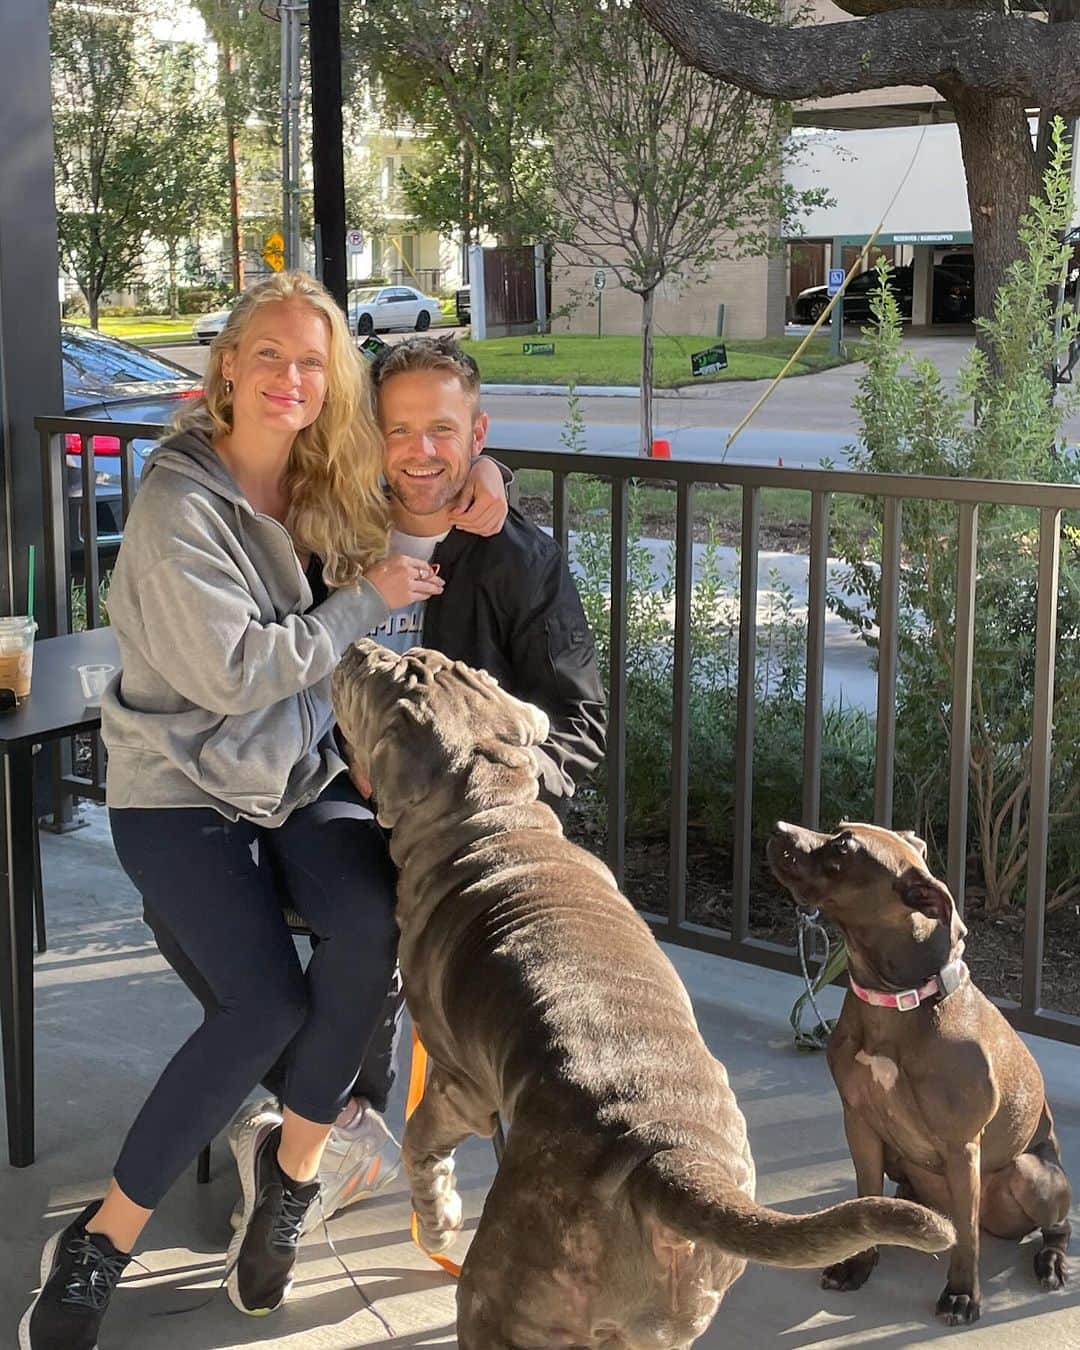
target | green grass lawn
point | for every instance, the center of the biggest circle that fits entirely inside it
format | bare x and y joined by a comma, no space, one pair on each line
142,327
616,360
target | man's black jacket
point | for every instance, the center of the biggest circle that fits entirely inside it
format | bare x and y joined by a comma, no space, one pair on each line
511,608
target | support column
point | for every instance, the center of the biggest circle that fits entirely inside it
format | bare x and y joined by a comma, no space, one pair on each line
327,149
922,278
29,295
477,300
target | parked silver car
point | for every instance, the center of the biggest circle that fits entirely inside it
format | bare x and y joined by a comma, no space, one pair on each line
207,326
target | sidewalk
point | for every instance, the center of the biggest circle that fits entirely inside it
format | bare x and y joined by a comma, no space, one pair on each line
110,1012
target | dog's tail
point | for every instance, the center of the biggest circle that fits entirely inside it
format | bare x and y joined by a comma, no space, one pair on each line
692,1196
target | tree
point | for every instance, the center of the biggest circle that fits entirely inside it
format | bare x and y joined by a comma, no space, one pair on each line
103,122
189,189
990,63
475,76
913,422
661,170
248,56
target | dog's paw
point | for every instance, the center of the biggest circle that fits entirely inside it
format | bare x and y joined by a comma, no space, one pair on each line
1051,1268
958,1309
440,1223
852,1273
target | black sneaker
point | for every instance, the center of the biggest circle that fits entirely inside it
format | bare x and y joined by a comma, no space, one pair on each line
79,1271
262,1254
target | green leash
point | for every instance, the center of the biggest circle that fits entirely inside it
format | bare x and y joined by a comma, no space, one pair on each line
833,960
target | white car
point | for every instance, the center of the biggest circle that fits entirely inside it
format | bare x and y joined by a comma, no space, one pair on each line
207,326
382,307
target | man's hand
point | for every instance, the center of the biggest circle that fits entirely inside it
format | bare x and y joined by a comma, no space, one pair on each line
481,506
359,782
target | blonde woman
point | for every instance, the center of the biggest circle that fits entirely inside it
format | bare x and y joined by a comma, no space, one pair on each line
226,790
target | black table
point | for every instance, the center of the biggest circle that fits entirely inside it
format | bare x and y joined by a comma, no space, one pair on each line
54,709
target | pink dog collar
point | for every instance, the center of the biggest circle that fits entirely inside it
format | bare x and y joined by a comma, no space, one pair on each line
907,1000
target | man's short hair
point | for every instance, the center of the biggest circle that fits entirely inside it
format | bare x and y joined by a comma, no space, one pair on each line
427,353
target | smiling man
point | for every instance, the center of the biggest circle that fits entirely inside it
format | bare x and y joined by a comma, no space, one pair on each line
509,606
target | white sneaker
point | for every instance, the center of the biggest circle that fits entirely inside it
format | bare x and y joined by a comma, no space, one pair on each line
360,1159
249,1127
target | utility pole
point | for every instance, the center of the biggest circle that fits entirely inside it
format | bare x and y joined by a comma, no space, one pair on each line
290,15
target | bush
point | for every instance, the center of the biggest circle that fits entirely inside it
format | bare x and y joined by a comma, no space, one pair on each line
848,742
1003,422
201,299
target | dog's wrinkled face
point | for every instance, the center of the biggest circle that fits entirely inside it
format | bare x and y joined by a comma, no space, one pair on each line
412,720
863,875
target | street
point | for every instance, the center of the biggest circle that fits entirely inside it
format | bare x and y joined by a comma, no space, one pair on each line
808,418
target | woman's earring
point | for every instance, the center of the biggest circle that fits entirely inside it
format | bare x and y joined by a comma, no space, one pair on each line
228,386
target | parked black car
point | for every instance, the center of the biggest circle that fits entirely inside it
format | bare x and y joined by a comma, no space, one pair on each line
953,301
810,303
111,380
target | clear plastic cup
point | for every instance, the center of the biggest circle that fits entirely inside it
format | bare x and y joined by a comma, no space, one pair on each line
17,655
93,680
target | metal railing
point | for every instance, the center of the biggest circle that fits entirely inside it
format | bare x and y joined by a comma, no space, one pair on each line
1049,500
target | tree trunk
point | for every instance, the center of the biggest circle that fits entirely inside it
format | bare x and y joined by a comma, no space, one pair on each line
648,301
466,208
1002,176
93,299
173,305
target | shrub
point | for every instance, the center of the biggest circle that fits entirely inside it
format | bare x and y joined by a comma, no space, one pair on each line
201,299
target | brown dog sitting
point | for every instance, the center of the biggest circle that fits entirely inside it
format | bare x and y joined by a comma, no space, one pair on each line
624,1204
938,1090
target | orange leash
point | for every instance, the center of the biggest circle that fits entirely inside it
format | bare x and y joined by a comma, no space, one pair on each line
417,1084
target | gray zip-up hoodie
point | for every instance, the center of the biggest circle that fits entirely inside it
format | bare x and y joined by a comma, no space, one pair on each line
224,697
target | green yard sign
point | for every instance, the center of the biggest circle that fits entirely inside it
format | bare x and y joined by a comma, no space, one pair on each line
709,361
538,348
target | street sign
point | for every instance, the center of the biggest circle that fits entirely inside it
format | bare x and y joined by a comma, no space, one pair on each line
709,361
599,279
354,241
836,279
274,251
538,348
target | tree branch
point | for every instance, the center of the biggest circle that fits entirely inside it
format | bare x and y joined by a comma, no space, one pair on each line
1007,57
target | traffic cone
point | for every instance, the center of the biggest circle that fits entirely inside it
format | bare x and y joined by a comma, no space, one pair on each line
661,449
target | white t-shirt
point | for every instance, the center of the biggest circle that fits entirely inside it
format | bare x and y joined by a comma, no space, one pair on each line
405,627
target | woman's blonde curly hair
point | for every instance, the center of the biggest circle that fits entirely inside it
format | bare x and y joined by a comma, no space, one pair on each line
337,505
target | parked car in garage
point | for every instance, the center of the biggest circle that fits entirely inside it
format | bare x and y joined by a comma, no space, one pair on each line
953,297
810,303
378,308
110,380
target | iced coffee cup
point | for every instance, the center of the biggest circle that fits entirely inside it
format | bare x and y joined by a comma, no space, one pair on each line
17,655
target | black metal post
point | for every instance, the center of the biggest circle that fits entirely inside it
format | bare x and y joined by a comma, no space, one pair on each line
327,150
29,299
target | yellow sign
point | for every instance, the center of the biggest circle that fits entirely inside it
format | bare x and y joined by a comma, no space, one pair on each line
274,251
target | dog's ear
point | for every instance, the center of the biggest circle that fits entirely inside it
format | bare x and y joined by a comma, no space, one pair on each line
922,892
398,768
919,845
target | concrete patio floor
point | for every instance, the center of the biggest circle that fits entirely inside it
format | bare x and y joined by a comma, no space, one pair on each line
109,1012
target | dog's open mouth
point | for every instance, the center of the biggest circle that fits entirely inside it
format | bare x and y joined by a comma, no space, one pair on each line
786,859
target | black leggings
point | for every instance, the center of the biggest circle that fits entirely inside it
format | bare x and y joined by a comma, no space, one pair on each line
212,906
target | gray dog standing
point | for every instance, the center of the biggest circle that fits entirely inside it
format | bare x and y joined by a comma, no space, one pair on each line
939,1092
623,1207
